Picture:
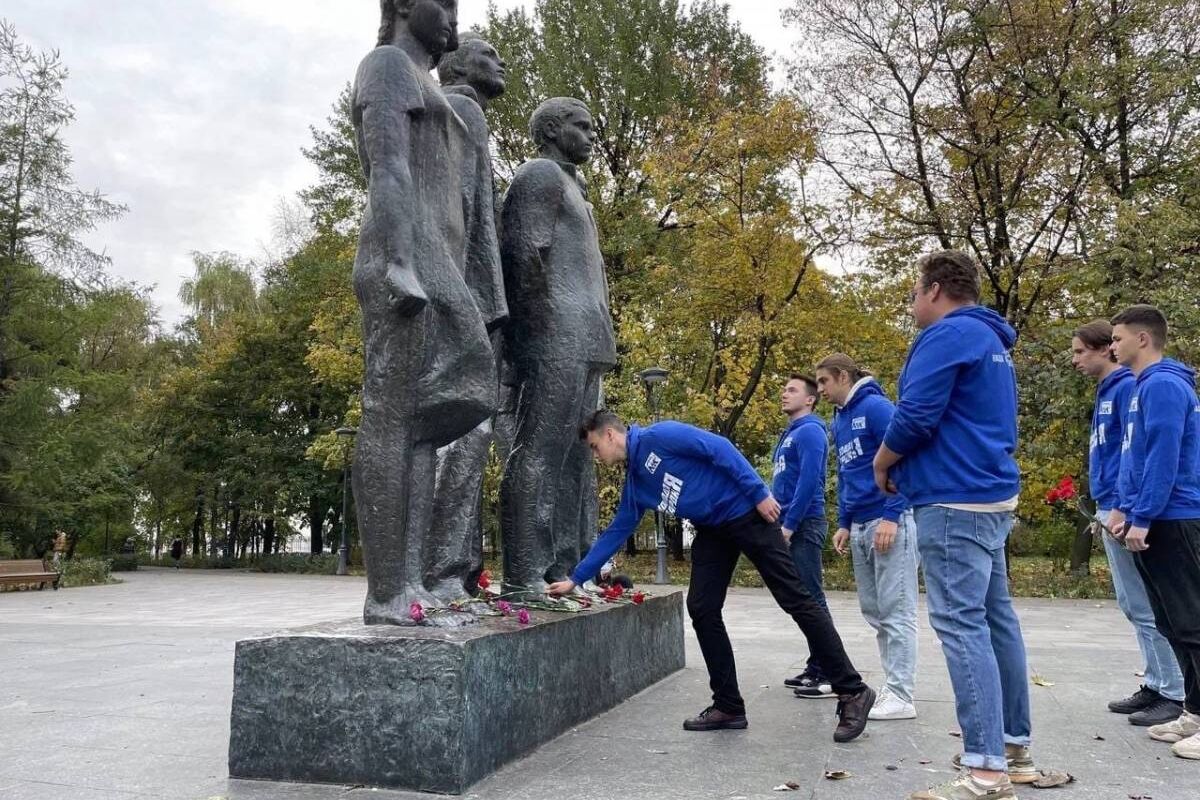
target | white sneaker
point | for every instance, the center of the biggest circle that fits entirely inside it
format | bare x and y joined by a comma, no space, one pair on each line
1188,748
1187,725
888,706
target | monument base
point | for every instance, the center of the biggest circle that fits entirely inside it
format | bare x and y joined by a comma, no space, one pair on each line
435,709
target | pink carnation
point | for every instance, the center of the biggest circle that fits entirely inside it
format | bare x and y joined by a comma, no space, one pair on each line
504,607
523,616
416,613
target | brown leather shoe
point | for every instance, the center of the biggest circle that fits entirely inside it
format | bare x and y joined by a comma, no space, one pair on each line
711,719
852,713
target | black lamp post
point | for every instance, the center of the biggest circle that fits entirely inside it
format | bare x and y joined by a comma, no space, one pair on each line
651,379
343,565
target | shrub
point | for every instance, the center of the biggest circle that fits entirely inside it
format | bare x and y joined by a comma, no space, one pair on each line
299,563
85,572
124,563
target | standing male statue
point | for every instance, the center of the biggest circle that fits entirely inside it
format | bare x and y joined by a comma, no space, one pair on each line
471,77
560,343
429,373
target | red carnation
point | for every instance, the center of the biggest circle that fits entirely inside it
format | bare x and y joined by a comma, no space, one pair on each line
485,579
639,598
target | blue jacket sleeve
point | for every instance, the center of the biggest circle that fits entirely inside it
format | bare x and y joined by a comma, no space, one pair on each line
811,444
607,544
879,417
1164,408
691,442
843,512
929,381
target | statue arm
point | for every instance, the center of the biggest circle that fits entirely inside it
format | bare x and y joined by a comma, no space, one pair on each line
385,97
529,218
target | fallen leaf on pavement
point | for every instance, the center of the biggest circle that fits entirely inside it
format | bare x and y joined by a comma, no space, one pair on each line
1098,738
1140,797
1040,681
956,734
657,752
891,768
924,761
790,786
836,775
1052,778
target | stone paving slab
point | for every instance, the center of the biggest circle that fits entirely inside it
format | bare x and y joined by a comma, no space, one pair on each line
124,692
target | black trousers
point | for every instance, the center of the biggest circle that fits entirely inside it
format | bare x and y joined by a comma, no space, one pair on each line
1170,568
715,553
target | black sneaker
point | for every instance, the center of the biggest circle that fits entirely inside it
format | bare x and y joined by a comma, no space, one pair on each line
1144,697
803,681
852,713
1160,711
712,719
816,691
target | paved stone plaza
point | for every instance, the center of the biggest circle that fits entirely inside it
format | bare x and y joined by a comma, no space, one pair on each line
121,692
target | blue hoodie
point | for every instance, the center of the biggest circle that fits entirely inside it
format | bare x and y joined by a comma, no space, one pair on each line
1108,428
956,419
681,470
799,476
1160,455
858,430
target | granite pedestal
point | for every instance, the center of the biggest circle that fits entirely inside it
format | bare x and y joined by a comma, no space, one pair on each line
434,709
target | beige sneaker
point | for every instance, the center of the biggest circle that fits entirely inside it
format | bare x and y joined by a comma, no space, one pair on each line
1188,748
1187,725
965,787
1020,764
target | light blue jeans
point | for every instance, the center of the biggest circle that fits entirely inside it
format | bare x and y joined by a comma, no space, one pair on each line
887,595
962,553
1162,669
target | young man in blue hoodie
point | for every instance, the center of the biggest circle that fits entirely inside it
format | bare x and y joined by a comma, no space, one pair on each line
877,529
1158,501
681,470
949,450
1160,698
798,484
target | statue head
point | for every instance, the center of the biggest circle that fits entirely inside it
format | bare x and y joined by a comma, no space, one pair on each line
562,129
476,64
432,23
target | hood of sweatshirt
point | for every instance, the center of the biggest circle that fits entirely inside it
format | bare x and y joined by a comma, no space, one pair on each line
1169,366
988,317
865,387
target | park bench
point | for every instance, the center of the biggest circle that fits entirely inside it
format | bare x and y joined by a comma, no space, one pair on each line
29,572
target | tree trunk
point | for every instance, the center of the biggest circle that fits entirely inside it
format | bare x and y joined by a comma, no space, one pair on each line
268,542
316,520
198,524
234,532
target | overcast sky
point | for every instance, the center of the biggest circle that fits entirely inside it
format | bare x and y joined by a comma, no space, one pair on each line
193,112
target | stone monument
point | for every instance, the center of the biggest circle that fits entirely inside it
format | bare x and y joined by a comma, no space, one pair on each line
472,76
386,701
560,342
430,366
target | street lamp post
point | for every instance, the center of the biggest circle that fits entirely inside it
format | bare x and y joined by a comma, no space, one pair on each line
343,564
651,379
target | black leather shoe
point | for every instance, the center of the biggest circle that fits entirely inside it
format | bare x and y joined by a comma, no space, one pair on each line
1159,712
712,719
1144,697
852,713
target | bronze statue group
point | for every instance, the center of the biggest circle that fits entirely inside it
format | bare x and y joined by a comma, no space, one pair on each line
487,321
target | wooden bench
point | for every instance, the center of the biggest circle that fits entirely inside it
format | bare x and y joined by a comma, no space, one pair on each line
29,572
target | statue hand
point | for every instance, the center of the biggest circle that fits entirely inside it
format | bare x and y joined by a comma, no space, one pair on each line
406,295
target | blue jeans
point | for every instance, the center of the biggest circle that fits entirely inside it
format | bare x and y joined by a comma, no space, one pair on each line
962,553
887,596
808,541
1162,669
